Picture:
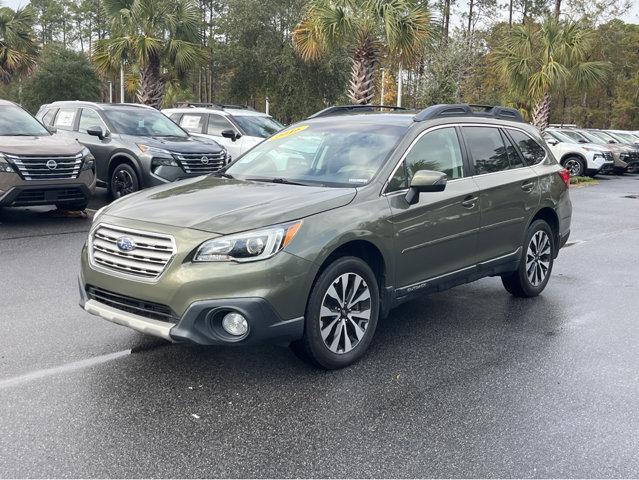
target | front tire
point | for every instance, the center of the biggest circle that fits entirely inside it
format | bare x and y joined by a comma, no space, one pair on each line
341,315
575,166
124,180
535,267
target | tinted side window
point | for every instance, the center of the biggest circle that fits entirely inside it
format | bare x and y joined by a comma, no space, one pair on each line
533,152
438,150
192,123
65,118
514,158
487,149
217,124
89,118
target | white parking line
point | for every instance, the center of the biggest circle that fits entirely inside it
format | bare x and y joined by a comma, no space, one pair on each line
69,367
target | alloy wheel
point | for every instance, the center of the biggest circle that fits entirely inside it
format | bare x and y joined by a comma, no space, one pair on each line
538,258
573,166
122,183
345,313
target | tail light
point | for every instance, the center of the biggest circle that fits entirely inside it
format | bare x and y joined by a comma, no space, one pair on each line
565,176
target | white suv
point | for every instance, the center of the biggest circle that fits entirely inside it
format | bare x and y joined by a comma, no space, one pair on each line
579,159
236,128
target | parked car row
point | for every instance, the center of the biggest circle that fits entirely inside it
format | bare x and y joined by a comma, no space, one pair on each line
75,146
591,151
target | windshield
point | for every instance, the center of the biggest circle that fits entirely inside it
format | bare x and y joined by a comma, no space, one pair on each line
142,122
16,122
335,155
258,126
575,136
587,136
603,136
624,137
561,137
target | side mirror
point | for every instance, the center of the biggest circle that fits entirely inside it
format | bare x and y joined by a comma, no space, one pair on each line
581,140
51,129
611,141
232,134
425,181
98,132
552,141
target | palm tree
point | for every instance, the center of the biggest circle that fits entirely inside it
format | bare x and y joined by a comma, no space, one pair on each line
368,28
18,49
537,60
155,36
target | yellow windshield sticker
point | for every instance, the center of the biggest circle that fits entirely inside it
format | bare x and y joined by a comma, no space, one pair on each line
288,133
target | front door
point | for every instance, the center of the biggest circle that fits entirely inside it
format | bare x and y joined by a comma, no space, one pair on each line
437,235
101,149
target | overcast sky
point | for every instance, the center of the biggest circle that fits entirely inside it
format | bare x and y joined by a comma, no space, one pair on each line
631,17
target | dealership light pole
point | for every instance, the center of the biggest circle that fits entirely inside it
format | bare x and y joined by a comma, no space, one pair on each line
121,83
399,86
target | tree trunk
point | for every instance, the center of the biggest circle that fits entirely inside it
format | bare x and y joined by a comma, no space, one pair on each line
150,84
470,15
541,112
446,21
557,8
362,72
510,14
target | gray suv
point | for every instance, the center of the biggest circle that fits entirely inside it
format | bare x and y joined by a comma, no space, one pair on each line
315,234
135,146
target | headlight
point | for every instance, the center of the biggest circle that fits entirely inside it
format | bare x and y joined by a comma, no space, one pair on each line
154,151
163,162
5,166
249,246
598,155
88,162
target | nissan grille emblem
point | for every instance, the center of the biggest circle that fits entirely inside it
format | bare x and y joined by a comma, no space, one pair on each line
52,164
125,244
204,160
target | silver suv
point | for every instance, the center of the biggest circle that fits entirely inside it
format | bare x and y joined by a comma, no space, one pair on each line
236,128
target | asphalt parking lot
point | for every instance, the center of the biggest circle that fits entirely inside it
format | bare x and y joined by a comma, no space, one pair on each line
470,382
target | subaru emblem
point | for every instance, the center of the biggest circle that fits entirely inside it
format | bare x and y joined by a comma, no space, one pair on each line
204,160
125,244
52,164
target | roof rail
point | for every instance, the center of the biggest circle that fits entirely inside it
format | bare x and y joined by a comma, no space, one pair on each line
220,106
345,109
468,110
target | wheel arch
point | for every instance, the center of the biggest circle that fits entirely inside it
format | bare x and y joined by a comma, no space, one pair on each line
577,155
549,215
122,157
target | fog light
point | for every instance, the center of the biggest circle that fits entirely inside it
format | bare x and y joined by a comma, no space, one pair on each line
235,324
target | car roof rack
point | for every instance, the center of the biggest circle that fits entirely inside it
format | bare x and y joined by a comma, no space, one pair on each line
346,109
468,110
220,106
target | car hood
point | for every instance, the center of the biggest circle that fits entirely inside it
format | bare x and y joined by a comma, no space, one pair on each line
39,145
177,144
223,206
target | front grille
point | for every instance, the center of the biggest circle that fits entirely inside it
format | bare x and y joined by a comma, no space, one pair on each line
47,167
44,196
146,260
144,308
201,163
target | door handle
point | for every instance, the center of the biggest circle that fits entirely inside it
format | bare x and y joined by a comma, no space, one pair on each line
469,202
528,186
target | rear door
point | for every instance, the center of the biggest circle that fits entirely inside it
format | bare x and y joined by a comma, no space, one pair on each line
438,234
509,190
65,121
216,125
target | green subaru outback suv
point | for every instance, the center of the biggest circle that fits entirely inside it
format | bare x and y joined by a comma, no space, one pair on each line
311,237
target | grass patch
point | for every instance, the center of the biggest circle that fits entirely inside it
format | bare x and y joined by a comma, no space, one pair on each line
582,181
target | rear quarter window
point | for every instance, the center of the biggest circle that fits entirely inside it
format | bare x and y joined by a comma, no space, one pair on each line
532,152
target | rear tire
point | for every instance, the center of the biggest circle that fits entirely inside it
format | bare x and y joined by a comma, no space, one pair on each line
124,180
535,267
341,315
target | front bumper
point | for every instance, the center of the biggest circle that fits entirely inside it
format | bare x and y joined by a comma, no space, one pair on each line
201,324
47,194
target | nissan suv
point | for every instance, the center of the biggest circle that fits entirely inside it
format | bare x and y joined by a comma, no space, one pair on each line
312,236
579,158
236,128
38,168
135,146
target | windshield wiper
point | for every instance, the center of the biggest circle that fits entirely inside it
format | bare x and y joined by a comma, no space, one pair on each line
283,181
224,174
